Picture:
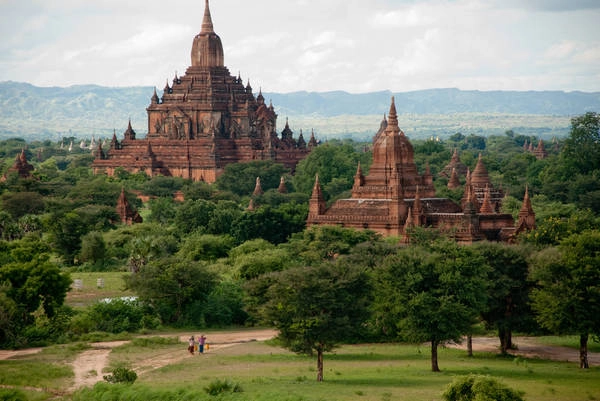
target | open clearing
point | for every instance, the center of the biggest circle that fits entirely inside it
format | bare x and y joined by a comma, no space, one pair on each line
89,365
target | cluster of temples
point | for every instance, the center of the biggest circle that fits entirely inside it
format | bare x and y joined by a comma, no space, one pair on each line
394,198
204,120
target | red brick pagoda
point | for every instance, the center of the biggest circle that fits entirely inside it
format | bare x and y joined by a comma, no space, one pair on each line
394,198
204,120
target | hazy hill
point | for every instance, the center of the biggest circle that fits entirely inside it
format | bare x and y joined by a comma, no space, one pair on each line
40,112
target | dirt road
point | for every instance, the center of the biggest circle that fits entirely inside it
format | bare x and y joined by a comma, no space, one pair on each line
89,365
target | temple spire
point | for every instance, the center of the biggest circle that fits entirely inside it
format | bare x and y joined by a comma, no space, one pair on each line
207,24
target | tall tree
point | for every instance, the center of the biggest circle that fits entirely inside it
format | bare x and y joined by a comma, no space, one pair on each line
582,147
508,290
432,293
314,308
567,299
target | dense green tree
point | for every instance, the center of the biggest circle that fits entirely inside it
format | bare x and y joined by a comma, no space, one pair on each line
176,289
582,147
30,283
223,217
273,224
331,161
93,247
314,308
567,297
508,290
162,211
65,234
206,247
193,215
21,203
163,187
431,293
320,243
240,178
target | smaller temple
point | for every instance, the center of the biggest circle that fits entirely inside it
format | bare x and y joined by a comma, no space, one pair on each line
394,199
125,211
21,166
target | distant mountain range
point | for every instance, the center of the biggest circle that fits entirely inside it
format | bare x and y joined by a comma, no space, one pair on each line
34,112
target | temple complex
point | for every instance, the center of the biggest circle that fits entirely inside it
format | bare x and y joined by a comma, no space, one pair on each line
21,167
203,121
394,198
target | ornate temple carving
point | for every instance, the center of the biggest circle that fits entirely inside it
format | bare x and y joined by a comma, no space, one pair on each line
203,121
394,198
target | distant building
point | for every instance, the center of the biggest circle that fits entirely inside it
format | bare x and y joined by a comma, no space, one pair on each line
21,166
394,198
204,120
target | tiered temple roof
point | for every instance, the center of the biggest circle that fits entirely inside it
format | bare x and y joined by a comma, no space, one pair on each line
203,121
394,198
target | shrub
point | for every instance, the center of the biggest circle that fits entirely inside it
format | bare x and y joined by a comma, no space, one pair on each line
479,388
121,375
217,387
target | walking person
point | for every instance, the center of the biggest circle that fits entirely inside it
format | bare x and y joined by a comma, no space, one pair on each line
201,342
191,344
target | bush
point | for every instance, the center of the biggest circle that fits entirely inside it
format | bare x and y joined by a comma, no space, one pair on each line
480,388
117,315
12,395
217,387
121,375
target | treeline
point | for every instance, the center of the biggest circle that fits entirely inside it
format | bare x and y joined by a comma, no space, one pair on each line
211,260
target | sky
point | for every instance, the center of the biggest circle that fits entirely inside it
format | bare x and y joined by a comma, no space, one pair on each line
285,46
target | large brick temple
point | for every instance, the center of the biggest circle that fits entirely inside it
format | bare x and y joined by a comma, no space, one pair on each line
203,121
394,198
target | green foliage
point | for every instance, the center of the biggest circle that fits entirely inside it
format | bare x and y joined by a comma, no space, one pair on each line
163,187
272,224
7,394
193,215
116,315
479,388
567,297
508,289
206,247
121,375
218,386
240,178
19,204
314,308
225,305
335,163
430,293
176,289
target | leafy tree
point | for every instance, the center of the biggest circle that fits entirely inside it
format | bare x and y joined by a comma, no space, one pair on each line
567,299
65,234
163,187
30,284
240,178
205,247
162,210
223,217
176,289
314,308
508,290
19,204
93,247
273,224
431,293
193,215
582,147
331,161
319,243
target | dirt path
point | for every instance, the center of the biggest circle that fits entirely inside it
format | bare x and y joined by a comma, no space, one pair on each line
530,347
89,365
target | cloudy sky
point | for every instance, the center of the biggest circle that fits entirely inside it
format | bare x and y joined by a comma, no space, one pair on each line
314,45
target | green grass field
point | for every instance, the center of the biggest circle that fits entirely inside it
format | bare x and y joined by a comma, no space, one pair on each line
266,372
90,292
